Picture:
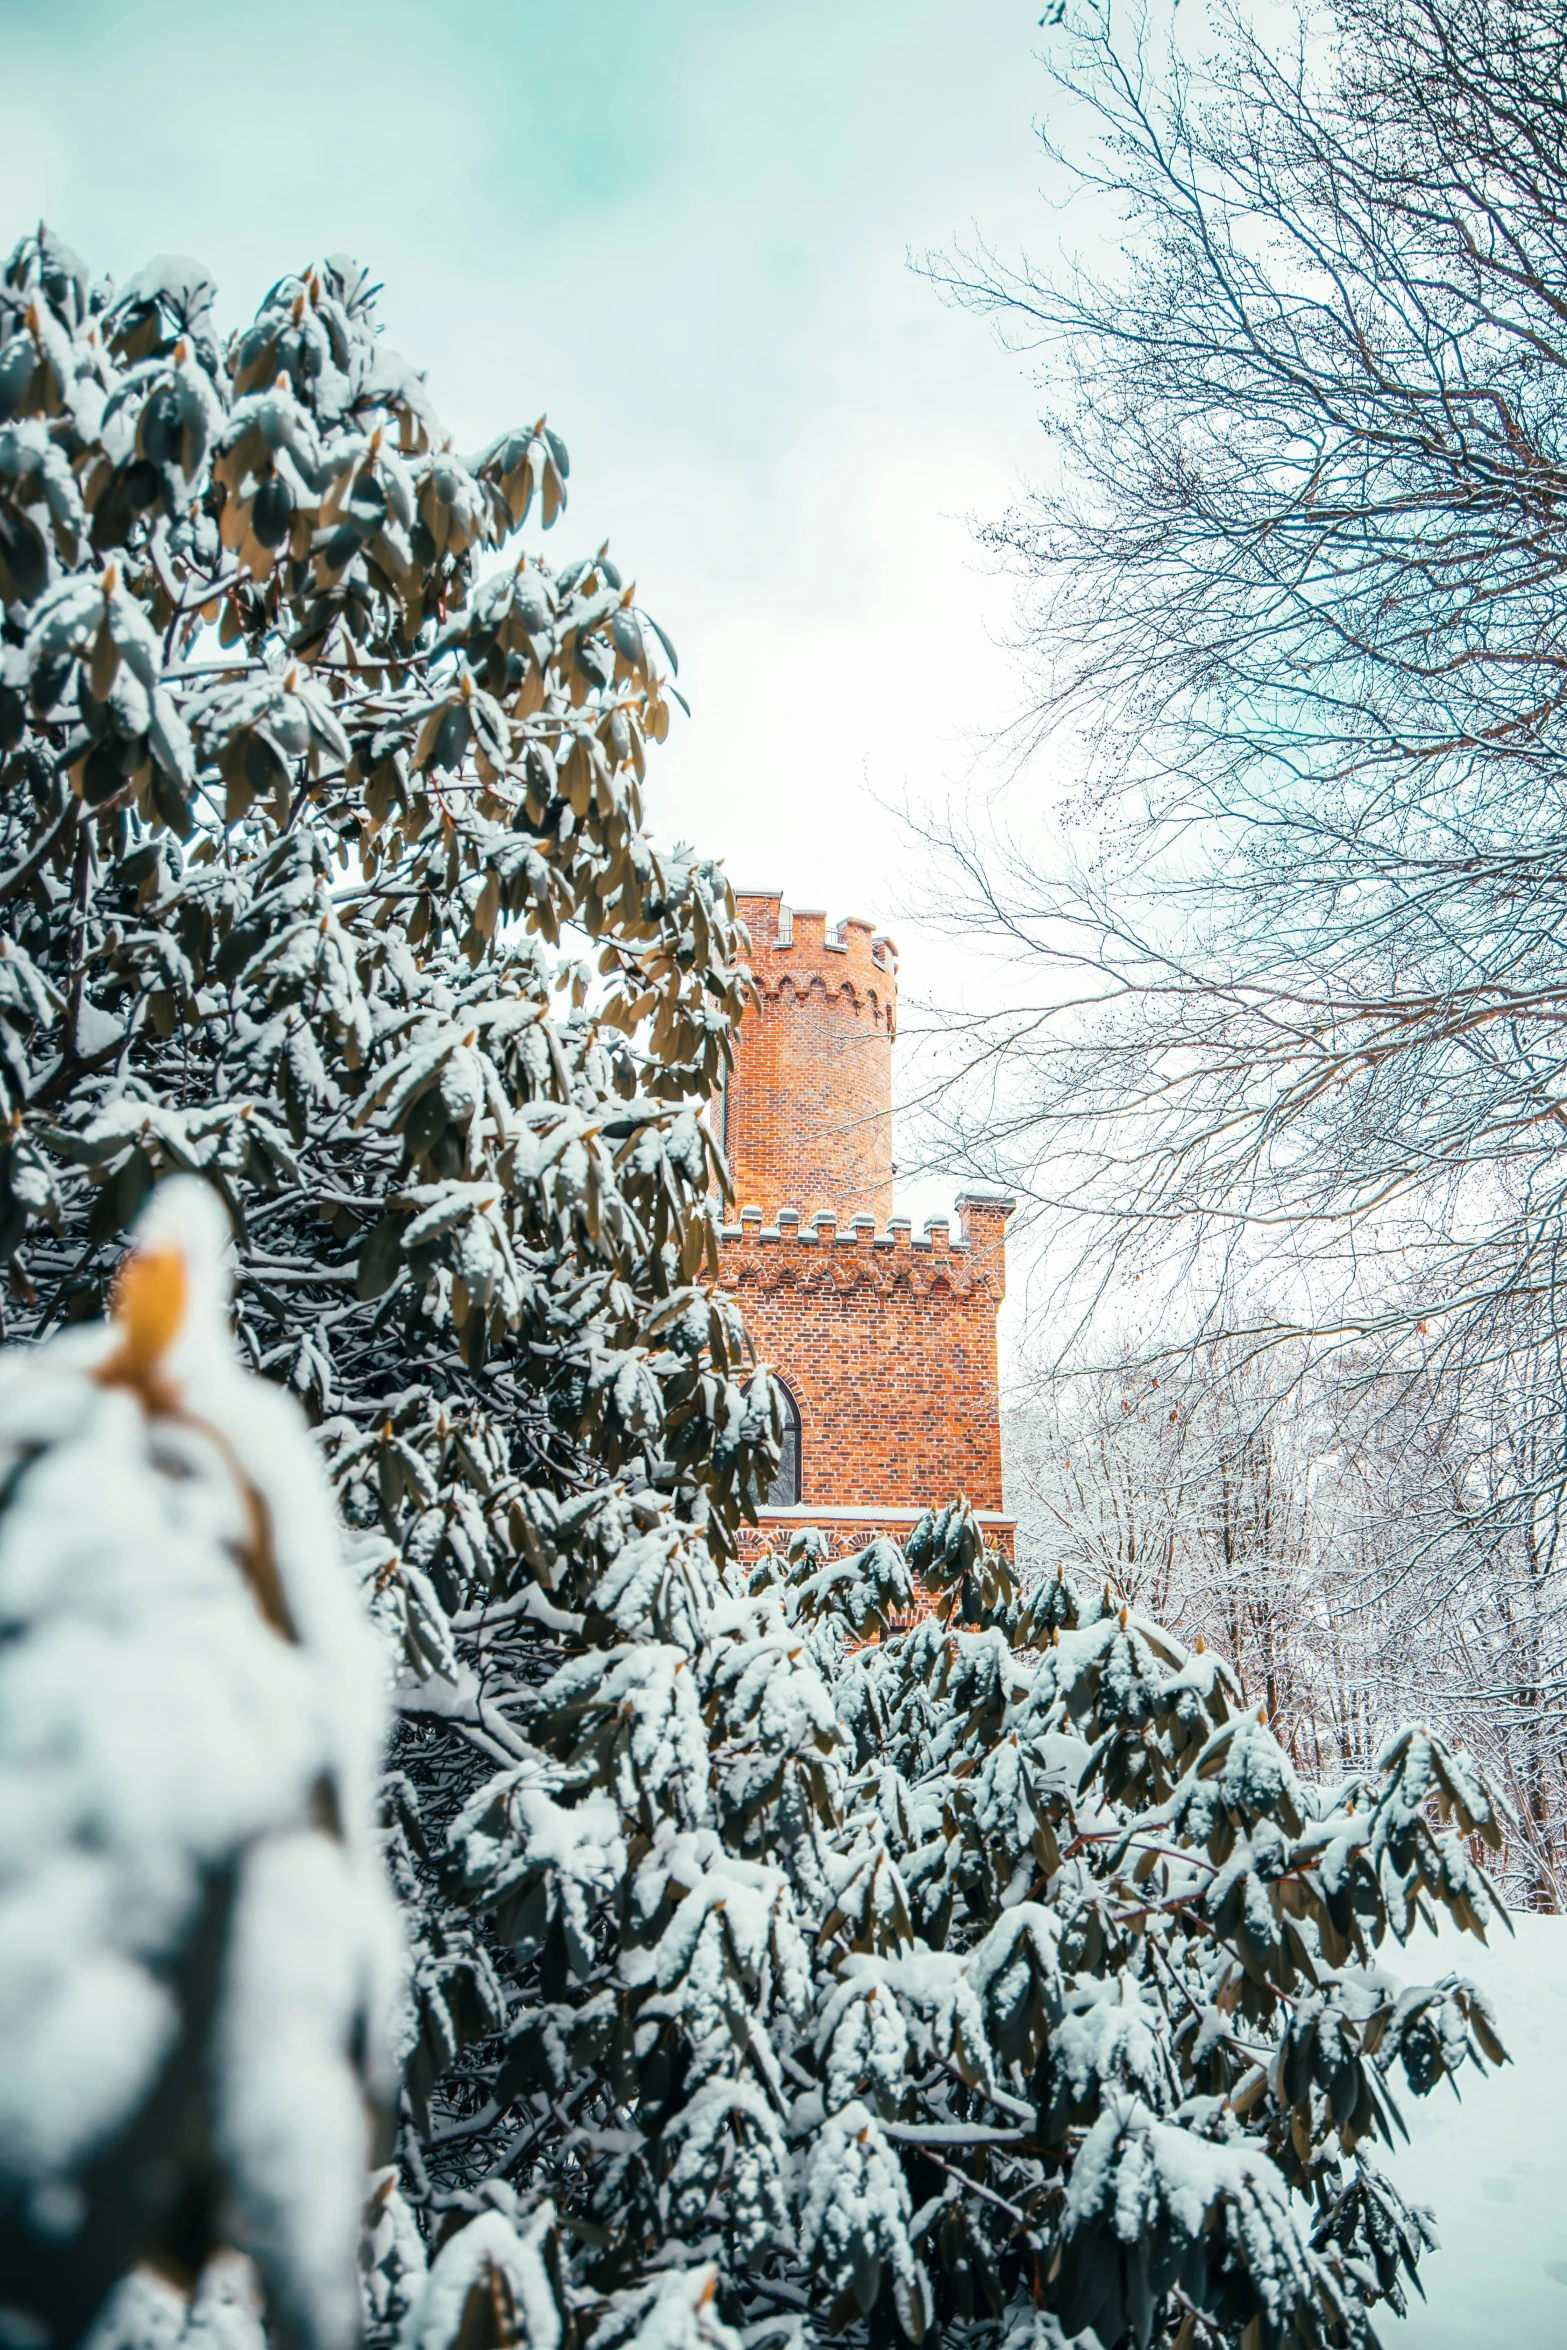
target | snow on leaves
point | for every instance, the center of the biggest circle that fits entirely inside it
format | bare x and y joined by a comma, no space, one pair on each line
494,2280
676,2311
1066,2043
855,2221
195,1946
770,1966
323,877
1138,2222
534,1862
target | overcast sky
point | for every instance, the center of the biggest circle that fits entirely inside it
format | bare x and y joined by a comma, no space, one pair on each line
682,228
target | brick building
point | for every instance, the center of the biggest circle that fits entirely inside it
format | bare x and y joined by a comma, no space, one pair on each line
884,1343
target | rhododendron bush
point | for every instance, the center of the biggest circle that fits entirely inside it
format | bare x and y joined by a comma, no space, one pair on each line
198,1957
768,1970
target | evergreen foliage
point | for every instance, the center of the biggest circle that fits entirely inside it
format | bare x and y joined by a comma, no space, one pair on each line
1096,2034
196,1944
999,1975
323,877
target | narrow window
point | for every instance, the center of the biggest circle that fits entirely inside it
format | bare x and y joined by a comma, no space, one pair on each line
784,1490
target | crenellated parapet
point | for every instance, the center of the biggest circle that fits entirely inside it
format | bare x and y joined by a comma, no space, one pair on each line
789,1253
886,1343
796,949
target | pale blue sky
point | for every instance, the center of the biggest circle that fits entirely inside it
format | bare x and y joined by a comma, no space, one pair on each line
682,228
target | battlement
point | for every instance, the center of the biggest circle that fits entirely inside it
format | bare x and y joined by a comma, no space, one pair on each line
806,1117
886,1343
756,1250
796,946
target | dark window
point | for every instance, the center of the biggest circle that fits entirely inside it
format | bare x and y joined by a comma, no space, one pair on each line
785,1487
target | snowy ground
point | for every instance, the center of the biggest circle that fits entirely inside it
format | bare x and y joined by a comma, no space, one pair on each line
1494,2167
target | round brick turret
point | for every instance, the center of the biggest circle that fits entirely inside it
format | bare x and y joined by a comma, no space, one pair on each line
884,1344
807,1114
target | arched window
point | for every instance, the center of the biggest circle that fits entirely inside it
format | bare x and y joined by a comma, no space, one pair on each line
784,1490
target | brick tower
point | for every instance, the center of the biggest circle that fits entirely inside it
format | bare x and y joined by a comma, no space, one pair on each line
808,1112
886,1345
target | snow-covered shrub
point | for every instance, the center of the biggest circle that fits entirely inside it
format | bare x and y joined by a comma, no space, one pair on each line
998,1975
998,1971
196,1946
323,877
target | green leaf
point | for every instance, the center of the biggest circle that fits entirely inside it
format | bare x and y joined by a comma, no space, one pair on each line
380,1257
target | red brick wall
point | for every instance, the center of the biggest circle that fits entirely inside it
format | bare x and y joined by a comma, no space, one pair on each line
807,1114
888,1346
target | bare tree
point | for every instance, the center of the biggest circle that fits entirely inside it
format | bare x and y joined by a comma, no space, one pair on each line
1188,1492
1358,1541
1298,587
1439,1526
1303,588
1098,1474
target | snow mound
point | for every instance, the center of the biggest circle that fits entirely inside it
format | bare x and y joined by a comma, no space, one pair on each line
1494,2167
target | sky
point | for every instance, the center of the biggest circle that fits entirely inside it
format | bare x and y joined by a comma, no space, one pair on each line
684,231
